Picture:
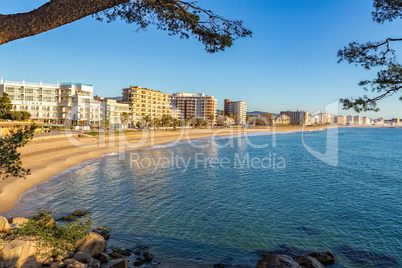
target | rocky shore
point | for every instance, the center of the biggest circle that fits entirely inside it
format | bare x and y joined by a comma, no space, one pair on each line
43,241
28,243
69,241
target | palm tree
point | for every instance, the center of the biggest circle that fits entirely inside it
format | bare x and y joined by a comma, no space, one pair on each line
139,124
200,122
124,119
166,120
211,119
236,119
193,120
175,123
157,122
105,123
147,120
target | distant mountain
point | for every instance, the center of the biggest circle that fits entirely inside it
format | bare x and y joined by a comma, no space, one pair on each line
255,113
114,98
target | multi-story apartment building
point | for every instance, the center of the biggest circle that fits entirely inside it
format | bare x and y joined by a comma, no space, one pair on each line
379,122
114,111
68,103
238,109
313,119
297,117
325,118
340,120
146,102
366,121
199,105
350,120
39,99
396,121
358,120
78,107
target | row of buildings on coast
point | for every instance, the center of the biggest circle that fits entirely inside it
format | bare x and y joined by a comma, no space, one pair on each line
304,118
77,105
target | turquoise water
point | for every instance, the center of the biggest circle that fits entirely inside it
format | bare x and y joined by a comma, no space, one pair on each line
207,213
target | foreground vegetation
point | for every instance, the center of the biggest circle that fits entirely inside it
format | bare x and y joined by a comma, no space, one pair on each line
43,230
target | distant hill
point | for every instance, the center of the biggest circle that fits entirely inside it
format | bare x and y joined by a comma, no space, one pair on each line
255,113
114,98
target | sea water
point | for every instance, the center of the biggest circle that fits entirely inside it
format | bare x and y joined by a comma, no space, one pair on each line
229,199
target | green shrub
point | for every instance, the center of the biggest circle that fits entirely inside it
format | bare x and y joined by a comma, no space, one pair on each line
58,239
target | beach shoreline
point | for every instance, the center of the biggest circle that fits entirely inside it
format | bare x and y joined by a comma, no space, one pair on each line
49,156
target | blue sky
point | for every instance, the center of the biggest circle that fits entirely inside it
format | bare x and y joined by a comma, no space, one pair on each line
289,63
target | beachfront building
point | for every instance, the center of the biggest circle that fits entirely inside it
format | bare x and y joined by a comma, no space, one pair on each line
396,122
379,121
366,121
297,117
39,99
358,120
281,119
146,102
114,112
78,107
349,120
340,120
313,119
238,109
176,113
191,105
325,119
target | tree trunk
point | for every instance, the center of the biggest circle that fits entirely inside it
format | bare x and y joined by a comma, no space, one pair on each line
49,16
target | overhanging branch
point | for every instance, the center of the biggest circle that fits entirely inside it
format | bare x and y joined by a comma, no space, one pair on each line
51,15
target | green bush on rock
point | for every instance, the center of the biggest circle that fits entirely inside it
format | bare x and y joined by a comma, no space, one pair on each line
50,239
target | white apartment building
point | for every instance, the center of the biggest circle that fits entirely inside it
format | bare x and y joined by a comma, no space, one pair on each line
238,109
379,122
358,120
313,119
113,111
199,105
366,121
78,107
325,118
39,99
340,120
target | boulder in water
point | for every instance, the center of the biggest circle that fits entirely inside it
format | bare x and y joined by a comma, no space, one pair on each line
67,218
309,262
79,213
120,263
277,261
325,257
147,256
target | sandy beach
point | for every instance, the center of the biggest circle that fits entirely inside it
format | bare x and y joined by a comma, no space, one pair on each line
47,156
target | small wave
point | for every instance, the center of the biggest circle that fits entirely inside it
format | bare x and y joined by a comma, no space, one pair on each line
52,179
